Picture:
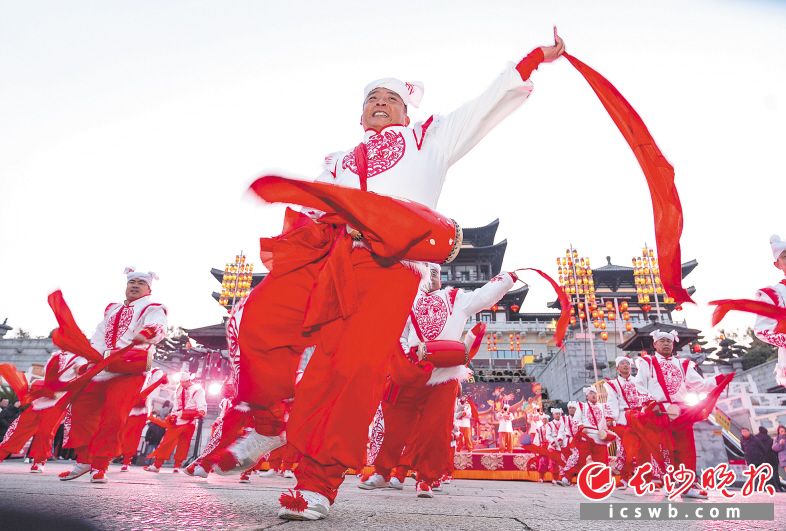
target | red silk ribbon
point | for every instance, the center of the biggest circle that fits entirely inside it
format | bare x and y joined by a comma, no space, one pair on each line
666,206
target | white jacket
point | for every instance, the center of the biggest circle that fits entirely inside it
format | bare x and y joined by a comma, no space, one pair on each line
122,322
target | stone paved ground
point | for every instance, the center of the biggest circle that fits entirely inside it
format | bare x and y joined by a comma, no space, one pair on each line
141,500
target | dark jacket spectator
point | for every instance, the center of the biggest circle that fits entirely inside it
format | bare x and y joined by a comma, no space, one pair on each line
779,446
752,448
770,456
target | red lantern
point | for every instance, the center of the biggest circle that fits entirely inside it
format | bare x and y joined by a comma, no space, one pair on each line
604,336
603,325
596,323
595,314
572,320
494,308
626,316
581,306
646,308
624,306
678,308
628,327
696,348
612,316
572,311
582,315
609,305
514,308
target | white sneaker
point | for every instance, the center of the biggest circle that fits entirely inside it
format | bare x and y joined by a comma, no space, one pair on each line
37,468
303,505
374,482
423,490
267,473
249,448
79,470
124,468
565,482
196,471
151,468
623,485
289,474
396,484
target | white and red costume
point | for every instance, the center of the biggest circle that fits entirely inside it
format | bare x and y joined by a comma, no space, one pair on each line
421,397
623,400
101,409
667,382
570,452
190,405
137,418
767,329
42,419
595,435
505,431
317,262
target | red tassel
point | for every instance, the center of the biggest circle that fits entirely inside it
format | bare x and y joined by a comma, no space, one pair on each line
666,206
294,501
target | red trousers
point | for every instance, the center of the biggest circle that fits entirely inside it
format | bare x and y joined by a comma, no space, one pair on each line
629,450
284,458
177,438
420,418
98,415
339,393
465,440
41,425
132,433
597,452
506,441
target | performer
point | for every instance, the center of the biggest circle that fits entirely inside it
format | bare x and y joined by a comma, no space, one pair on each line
101,409
137,418
570,452
505,419
769,330
595,435
464,424
555,435
309,298
622,401
541,441
425,378
667,380
190,406
43,417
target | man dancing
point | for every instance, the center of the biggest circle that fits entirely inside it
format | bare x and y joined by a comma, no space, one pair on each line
418,407
667,380
622,401
190,406
100,410
41,420
324,289
137,418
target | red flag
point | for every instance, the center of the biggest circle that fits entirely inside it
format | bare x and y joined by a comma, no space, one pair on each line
764,309
68,336
564,302
666,206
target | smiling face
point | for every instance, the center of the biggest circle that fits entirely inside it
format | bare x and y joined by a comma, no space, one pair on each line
136,288
382,108
623,368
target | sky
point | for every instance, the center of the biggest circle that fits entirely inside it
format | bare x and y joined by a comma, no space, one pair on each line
130,131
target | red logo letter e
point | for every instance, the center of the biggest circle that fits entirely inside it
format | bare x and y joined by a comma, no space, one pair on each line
595,481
